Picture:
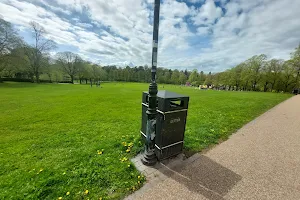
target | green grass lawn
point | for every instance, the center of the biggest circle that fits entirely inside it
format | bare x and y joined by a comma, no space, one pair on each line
71,138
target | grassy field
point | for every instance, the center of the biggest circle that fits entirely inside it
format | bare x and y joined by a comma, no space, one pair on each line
74,142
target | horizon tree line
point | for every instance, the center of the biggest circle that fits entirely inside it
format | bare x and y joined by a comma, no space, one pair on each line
20,61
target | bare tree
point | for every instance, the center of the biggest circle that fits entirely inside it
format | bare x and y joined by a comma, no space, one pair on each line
38,50
70,63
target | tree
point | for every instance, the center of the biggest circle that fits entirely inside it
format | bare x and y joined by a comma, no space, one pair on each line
208,80
288,75
193,78
296,64
182,78
9,40
236,75
175,77
36,52
202,78
271,73
255,65
70,63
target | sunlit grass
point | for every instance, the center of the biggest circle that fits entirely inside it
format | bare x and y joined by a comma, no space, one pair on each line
75,142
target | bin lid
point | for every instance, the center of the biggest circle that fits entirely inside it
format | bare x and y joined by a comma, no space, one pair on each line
167,94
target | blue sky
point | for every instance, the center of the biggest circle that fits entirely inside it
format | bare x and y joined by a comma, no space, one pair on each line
208,35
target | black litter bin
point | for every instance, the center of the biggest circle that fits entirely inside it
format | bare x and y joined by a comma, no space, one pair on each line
296,91
171,120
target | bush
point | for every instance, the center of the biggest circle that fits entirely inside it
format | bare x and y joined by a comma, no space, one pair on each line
45,81
17,79
65,82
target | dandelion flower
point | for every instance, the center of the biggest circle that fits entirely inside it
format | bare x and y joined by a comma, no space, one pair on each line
67,193
128,150
139,177
86,192
123,159
128,165
59,198
139,182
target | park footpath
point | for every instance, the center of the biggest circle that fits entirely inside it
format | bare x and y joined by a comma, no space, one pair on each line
260,161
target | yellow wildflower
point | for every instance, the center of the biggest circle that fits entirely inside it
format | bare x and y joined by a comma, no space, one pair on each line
139,182
128,150
100,152
128,165
123,159
130,144
67,193
59,198
86,192
139,177
100,198
64,173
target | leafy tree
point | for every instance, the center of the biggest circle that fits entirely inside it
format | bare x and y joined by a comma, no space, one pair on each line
182,78
70,63
208,80
9,40
202,78
255,65
288,75
296,64
271,73
193,78
175,77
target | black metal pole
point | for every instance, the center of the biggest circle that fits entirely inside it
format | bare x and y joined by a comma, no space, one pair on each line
149,157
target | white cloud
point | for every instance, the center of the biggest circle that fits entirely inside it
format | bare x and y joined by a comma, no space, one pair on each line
269,27
205,38
207,14
203,30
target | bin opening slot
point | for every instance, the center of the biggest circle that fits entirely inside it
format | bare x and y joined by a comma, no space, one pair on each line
176,103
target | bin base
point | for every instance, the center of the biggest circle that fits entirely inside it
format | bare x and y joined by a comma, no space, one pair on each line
149,158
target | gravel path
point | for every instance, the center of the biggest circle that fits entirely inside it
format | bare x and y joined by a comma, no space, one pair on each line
260,161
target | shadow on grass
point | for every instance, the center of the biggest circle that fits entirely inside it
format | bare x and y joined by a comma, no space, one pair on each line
8,84
202,175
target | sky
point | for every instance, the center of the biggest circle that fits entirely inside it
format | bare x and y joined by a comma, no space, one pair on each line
207,35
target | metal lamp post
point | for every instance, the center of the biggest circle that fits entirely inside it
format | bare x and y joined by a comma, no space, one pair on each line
149,157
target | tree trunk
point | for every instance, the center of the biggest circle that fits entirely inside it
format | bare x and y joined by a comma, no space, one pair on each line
254,86
72,79
272,85
265,86
86,81
37,77
285,87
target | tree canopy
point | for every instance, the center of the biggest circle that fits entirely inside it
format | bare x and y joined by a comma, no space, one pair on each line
33,62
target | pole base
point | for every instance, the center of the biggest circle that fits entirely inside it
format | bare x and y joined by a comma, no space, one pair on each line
149,158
